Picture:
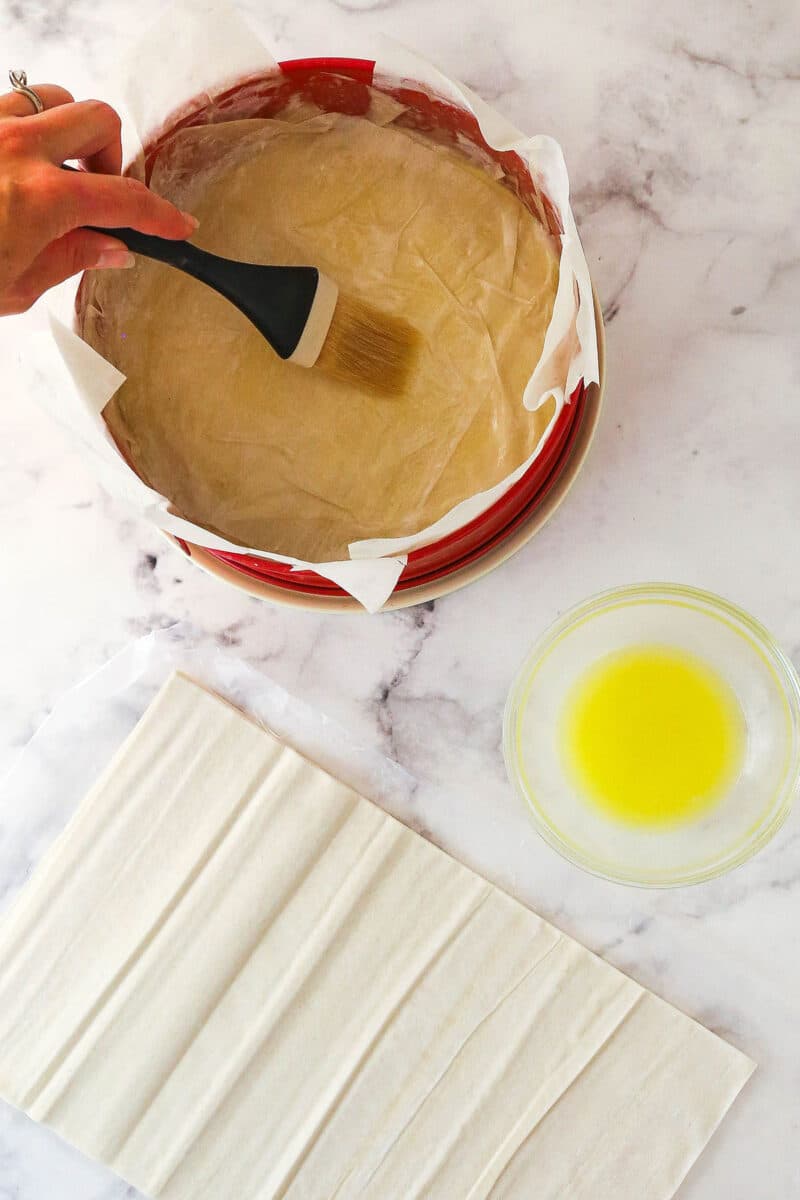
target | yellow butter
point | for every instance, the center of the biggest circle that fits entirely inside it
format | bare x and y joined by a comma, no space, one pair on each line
652,735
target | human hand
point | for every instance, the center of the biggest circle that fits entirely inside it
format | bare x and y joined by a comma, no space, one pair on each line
43,209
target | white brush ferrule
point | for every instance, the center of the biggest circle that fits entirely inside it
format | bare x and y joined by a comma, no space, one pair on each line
312,339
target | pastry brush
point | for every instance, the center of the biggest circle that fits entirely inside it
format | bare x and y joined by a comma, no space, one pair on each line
300,311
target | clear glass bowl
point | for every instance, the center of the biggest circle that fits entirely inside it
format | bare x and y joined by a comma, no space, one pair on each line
741,652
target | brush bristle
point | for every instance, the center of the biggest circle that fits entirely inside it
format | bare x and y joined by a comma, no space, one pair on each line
368,347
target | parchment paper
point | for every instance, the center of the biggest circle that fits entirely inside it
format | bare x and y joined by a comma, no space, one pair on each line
569,353
290,460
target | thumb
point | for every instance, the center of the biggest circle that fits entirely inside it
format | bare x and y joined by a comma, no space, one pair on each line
79,250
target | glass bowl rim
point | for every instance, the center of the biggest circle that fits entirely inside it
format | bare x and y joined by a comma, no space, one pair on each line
786,680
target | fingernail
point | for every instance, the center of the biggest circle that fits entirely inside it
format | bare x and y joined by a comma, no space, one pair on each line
193,221
115,258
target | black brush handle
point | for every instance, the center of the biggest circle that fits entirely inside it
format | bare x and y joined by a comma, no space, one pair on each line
277,300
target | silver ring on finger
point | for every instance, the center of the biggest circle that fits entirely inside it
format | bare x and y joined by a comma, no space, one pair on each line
19,83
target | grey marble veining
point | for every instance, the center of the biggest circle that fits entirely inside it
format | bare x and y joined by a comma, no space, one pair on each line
680,127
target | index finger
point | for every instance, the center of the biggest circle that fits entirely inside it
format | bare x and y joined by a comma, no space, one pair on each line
88,130
111,202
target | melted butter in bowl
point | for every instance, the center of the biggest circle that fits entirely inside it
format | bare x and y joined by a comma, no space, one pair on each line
652,736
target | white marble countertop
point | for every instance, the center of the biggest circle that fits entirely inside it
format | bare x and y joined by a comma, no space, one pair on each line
678,130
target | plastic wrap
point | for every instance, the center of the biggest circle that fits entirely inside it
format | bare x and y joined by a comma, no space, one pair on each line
50,776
